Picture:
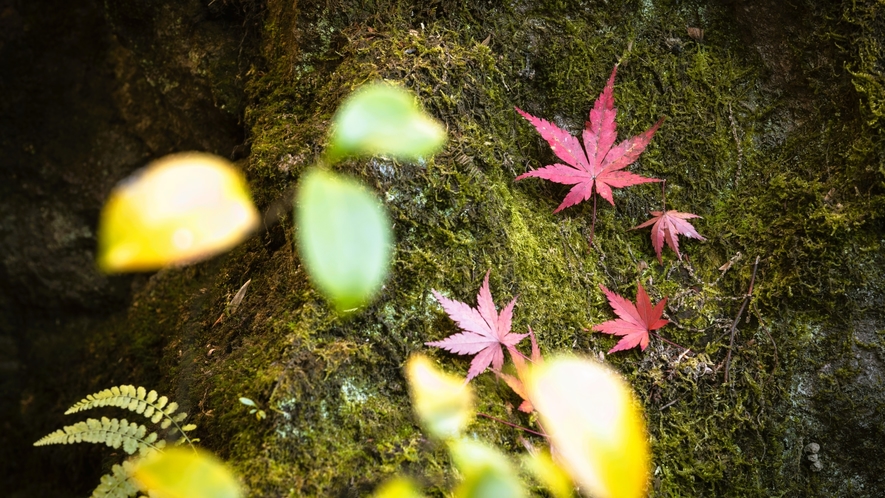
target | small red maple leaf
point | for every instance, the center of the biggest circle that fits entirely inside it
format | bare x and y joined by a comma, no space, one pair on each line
635,321
484,330
518,383
598,167
667,228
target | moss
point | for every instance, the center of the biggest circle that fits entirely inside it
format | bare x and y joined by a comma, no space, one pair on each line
781,177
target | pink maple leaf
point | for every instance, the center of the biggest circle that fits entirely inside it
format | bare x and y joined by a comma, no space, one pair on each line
635,321
667,228
484,331
598,167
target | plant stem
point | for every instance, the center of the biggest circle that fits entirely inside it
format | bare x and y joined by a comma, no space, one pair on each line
496,419
664,193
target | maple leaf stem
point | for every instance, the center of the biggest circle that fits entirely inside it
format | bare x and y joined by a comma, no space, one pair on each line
593,223
496,419
664,194
671,342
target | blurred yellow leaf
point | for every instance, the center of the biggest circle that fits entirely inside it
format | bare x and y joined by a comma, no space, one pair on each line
443,402
184,473
381,119
596,426
179,209
398,488
550,474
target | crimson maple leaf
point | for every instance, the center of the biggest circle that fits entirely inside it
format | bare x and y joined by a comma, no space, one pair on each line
598,167
667,228
635,321
484,330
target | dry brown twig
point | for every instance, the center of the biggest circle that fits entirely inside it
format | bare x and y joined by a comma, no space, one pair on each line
738,318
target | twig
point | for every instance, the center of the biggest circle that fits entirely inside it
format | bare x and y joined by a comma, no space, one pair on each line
738,318
671,342
668,405
496,419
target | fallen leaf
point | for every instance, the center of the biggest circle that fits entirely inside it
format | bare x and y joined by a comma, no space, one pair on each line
598,167
635,321
667,227
484,330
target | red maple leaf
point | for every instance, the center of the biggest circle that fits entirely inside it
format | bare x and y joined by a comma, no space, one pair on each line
635,321
484,330
667,228
598,167
517,383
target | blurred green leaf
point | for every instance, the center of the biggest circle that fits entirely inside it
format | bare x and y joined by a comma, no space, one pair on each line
344,237
185,473
381,119
179,209
247,402
487,472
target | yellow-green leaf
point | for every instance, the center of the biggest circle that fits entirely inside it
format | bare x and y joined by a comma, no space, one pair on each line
443,402
344,237
550,474
398,488
381,119
179,209
487,472
595,424
184,473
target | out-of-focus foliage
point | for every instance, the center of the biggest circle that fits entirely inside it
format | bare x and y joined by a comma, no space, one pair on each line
595,425
398,488
487,472
551,474
344,237
178,209
443,402
186,473
381,119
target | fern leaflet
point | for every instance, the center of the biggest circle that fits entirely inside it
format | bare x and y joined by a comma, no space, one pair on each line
114,433
138,400
118,483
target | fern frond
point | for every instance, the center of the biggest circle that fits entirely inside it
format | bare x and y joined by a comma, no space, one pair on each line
118,484
139,400
112,432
